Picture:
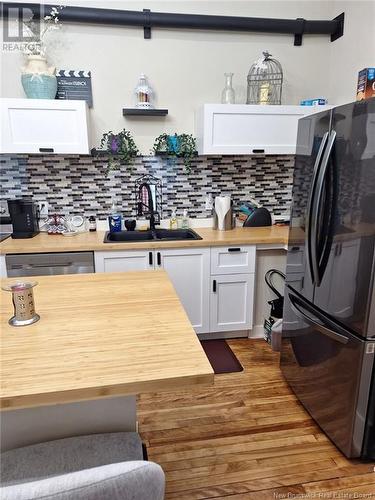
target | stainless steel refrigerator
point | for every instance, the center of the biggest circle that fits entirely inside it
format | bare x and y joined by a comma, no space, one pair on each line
328,340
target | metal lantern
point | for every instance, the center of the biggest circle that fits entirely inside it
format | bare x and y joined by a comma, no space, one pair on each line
143,93
264,81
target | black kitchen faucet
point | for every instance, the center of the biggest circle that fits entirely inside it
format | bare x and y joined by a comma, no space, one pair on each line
146,207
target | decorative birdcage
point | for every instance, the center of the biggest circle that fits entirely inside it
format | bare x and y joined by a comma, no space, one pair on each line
264,81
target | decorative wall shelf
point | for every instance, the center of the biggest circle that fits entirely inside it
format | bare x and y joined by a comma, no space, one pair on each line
144,112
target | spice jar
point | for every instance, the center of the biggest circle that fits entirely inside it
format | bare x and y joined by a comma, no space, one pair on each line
92,223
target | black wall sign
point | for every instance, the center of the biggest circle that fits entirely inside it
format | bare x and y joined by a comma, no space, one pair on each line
73,84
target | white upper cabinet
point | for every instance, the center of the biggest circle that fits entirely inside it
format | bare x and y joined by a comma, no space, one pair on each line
245,129
43,126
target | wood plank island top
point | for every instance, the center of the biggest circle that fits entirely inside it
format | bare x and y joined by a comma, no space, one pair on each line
99,335
44,242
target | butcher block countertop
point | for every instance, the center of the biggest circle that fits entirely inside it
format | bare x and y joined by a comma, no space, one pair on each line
99,335
44,242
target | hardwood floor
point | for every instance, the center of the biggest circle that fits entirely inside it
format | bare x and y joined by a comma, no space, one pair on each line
246,438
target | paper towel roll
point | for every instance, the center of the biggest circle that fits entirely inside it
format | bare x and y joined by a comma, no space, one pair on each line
222,205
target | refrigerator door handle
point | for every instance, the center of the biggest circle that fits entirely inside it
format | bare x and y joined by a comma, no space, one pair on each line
300,310
317,207
309,249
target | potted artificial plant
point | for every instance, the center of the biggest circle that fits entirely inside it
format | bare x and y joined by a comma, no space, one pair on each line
178,146
119,147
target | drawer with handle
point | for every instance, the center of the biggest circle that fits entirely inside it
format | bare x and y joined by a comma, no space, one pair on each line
233,260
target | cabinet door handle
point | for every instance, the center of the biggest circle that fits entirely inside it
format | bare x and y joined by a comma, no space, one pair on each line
258,150
234,249
150,258
214,286
46,150
159,258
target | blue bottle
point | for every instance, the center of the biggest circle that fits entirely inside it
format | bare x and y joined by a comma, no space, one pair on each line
114,219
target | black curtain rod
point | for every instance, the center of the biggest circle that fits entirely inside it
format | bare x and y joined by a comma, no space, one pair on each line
148,20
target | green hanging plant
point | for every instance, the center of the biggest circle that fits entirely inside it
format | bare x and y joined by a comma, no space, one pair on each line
177,145
120,148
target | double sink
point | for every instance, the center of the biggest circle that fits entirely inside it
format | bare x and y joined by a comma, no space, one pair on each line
151,235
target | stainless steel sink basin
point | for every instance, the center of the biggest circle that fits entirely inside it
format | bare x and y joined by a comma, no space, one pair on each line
156,235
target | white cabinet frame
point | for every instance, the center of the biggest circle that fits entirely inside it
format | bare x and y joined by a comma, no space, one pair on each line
232,302
123,261
233,259
43,126
189,271
245,129
193,272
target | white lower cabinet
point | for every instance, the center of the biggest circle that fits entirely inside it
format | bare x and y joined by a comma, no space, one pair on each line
189,271
231,302
213,302
233,260
112,262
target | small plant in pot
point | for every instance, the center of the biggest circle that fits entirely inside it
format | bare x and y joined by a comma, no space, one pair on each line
120,148
177,145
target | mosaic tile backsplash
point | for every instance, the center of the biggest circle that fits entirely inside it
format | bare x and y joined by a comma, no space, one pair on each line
77,184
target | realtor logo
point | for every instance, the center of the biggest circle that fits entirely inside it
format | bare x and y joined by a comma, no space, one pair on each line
17,26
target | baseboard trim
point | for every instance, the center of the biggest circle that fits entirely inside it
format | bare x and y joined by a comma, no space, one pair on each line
257,332
239,334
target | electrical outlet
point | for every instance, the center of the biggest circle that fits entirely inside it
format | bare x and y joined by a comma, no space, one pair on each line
43,208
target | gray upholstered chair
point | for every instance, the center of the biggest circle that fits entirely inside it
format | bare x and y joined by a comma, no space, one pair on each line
95,467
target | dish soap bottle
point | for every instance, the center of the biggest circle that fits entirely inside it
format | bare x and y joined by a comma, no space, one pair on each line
173,220
185,220
114,219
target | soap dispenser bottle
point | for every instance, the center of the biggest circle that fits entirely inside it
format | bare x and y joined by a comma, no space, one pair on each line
173,220
185,220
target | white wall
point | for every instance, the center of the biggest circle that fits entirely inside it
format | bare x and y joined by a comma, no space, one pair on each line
352,52
186,67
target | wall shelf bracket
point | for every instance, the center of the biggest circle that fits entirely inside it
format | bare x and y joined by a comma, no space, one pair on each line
147,24
298,35
340,27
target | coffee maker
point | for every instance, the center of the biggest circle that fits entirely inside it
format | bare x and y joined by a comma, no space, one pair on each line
24,216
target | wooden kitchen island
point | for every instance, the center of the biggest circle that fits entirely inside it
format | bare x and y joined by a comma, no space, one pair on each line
101,339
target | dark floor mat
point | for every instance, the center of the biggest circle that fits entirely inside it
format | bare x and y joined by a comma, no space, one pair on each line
221,356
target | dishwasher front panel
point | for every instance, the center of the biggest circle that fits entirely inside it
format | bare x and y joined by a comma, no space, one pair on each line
49,264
